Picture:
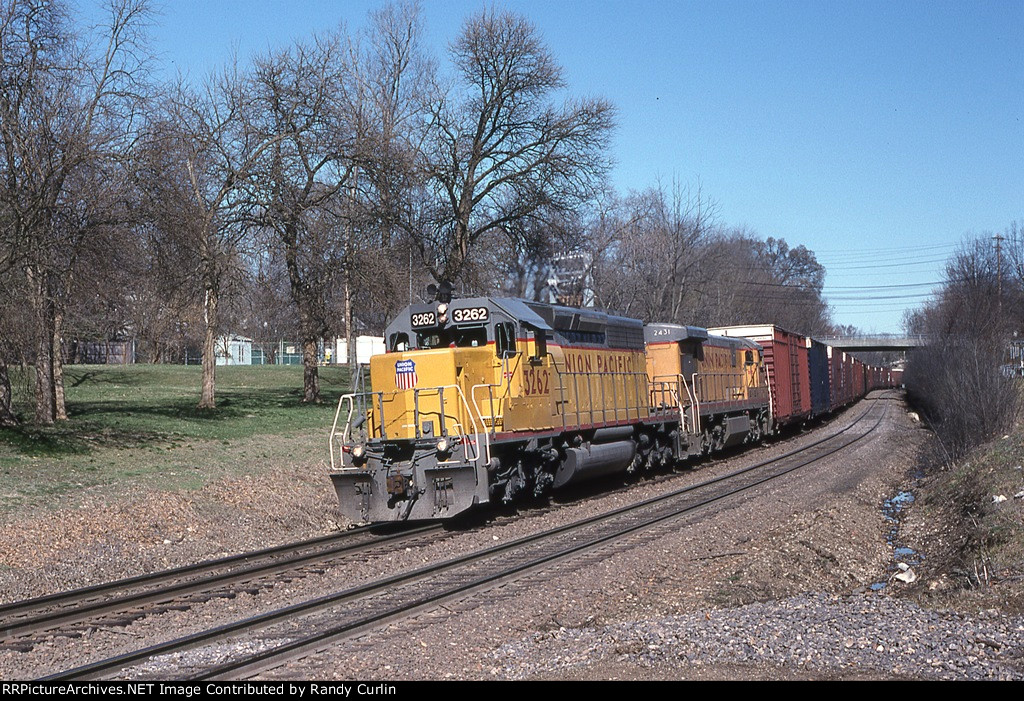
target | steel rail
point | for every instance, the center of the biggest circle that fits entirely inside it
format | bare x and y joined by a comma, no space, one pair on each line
48,612
30,616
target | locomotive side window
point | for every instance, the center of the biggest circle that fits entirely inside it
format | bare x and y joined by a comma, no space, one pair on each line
541,345
505,340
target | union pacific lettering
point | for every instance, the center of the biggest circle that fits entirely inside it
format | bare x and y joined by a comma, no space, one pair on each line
717,358
576,362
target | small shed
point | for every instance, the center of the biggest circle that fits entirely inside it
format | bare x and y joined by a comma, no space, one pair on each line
109,352
232,349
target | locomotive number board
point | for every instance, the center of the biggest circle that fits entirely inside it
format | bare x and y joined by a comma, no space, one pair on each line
469,315
424,319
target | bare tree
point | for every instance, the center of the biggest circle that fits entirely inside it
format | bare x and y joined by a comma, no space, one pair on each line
67,111
969,302
393,80
956,381
303,184
11,337
655,266
165,305
218,141
496,149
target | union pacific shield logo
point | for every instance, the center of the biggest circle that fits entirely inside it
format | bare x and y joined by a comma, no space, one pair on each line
405,374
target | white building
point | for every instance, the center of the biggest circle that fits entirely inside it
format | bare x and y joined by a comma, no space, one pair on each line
366,346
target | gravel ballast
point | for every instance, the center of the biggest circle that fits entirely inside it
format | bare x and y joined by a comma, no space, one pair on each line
815,634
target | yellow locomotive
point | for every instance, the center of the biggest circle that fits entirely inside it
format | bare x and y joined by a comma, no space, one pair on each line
483,399
721,382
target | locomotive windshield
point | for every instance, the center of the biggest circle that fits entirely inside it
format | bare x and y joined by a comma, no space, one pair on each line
454,337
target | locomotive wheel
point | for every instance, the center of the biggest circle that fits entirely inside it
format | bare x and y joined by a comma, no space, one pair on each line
706,441
718,434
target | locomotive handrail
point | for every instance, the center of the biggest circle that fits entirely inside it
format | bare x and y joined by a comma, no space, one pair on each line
506,382
346,433
441,412
334,426
507,376
696,406
719,386
490,396
694,413
476,430
659,388
351,398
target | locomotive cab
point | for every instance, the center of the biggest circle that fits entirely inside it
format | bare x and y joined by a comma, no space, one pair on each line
417,445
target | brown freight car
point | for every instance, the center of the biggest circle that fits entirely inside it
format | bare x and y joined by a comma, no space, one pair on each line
786,363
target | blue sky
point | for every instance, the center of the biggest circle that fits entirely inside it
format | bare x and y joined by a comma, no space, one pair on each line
878,134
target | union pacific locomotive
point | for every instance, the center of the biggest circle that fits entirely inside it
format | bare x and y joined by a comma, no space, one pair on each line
487,399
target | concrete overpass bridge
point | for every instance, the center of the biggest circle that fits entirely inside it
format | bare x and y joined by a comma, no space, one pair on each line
875,342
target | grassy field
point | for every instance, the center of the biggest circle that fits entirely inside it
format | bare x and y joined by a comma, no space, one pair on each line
139,423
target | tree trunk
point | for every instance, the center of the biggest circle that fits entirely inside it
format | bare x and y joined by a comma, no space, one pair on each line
302,296
42,305
59,407
46,412
7,417
209,350
310,372
350,337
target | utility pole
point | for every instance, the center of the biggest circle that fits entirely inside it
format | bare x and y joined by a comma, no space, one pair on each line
999,276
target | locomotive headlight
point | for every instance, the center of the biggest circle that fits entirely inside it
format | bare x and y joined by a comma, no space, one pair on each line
442,312
443,446
358,455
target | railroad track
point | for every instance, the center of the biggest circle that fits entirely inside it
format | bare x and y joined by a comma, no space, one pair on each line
306,627
23,620
122,601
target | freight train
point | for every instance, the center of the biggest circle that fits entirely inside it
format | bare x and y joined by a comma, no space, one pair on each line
484,399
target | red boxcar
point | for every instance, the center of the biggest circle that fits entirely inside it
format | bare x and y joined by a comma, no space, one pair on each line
877,378
860,380
840,367
786,362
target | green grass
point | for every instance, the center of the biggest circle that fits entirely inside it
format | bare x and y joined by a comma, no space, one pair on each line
152,405
129,424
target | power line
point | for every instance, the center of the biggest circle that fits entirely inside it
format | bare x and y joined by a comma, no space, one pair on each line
901,264
884,287
934,246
